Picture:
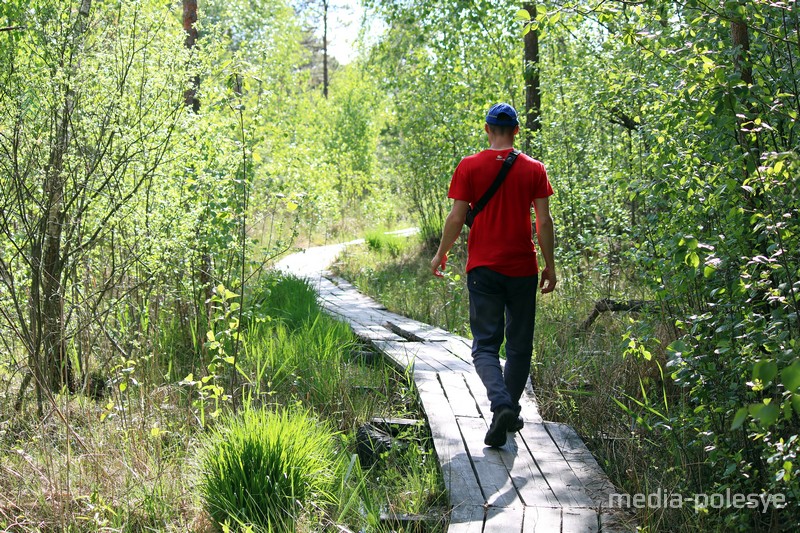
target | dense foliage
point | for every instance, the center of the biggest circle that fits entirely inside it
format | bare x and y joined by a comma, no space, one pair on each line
146,180
669,132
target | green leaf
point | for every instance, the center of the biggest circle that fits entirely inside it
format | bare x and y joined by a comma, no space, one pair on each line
790,377
765,370
765,413
692,259
739,418
523,14
796,403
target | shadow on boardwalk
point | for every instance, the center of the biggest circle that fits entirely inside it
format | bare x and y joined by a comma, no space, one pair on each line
543,480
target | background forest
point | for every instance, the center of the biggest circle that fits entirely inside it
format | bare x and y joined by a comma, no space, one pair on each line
156,157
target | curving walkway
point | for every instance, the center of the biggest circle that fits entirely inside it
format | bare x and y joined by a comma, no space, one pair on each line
543,480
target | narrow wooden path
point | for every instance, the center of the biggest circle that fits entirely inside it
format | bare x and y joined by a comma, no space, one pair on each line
543,480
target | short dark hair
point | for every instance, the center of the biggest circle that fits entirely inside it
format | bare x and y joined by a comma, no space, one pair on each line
503,131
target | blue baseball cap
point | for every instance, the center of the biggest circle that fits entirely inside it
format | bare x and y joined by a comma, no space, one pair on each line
502,115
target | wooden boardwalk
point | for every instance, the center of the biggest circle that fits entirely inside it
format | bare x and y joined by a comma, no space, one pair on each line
543,480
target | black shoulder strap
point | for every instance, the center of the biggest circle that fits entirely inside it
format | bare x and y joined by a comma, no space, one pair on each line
501,176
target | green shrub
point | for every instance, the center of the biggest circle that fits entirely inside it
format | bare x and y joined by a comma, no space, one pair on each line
262,469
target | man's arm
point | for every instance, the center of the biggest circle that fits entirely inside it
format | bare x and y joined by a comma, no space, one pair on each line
452,229
545,234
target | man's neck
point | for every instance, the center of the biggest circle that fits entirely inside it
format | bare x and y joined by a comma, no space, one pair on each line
501,146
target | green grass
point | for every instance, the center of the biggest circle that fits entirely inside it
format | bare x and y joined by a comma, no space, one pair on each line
262,469
128,461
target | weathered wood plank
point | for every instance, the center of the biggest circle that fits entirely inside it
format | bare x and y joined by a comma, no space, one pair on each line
493,477
466,519
575,520
459,477
525,484
595,481
564,483
528,480
542,520
459,395
453,363
504,520
539,442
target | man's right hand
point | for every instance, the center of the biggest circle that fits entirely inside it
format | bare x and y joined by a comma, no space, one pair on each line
438,264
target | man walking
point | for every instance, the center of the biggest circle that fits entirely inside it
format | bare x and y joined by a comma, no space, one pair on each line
502,270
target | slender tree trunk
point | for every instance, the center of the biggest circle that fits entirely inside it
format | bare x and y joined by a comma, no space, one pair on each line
203,271
533,96
52,366
57,366
189,20
740,38
325,4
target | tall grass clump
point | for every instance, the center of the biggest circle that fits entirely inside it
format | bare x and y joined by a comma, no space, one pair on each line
381,242
265,469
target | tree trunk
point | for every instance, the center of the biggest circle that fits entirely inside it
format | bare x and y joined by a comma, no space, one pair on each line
189,20
52,366
325,48
57,366
533,97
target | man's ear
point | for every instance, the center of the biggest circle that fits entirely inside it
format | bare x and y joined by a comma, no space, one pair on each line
516,129
486,128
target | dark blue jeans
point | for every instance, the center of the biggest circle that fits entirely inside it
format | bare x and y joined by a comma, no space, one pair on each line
501,306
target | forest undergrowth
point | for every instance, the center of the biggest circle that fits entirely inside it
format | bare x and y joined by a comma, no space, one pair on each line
150,453
602,379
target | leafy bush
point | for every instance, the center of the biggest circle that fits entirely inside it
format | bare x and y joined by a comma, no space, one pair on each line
264,468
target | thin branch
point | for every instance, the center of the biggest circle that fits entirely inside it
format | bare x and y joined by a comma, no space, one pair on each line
12,28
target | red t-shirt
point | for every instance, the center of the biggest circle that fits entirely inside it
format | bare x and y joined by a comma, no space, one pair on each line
501,236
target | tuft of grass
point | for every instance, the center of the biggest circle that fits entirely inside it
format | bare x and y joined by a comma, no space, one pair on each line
385,243
262,469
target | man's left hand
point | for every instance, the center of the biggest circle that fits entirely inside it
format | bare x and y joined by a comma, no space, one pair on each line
547,280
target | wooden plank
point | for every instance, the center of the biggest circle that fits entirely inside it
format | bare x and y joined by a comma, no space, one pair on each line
542,520
459,347
595,481
540,443
458,395
575,520
404,354
568,441
479,393
504,520
453,363
466,519
528,480
494,479
459,477
564,483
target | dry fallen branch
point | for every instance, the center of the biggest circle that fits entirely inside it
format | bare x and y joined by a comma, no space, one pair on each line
607,304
